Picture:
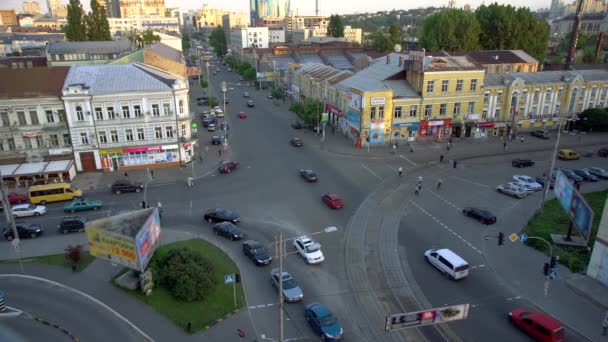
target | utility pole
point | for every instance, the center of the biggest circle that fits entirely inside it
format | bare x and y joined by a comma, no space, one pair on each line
224,89
550,173
281,287
6,204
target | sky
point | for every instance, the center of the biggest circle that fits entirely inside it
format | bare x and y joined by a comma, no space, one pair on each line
307,7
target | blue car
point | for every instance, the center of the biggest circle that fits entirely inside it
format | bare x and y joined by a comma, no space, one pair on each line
323,322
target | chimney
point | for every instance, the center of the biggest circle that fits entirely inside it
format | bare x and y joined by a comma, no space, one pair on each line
388,59
400,60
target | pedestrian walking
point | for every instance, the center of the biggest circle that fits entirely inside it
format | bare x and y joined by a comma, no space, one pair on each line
455,163
219,153
521,139
417,191
400,170
190,181
200,158
126,174
605,324
419,180
439,183
441,158
504,146
397,143
450,140
394,149
152,174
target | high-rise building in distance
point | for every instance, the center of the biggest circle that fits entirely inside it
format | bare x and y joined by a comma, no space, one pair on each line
133,8
269,8
57,8
31,7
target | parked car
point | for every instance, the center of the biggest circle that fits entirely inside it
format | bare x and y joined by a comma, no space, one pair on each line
71,224
124,185
333,200
323,322
598,172
242,115
540,134
571,175
541,180
522,186
228,166
24,210
586,175
212,127
567,155
228,230
14,198
308,249
216,140
522,162
529,181
209,121
538,325
511,191
309,175
603,152
291,291
257,252
81,204
296,142
269,96
24,230
296,125
221,215
484,216
250,103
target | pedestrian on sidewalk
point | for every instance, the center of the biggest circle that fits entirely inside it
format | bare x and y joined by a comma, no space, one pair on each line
394,149
455,163
190,181
449,145
219,153
200,158
521,139
439,182
397,144
152,174
605,324
126,174
504,145
417,191
441,158
400,170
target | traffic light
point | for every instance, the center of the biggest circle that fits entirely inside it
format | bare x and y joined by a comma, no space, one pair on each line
501,238
546,269
553,262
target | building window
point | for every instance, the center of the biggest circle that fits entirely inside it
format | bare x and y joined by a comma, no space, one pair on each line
181,106
546,109
158,132
413,111
397,114
557,108
183,130
459,85
548,95
457,108
536,97
50,118
39,141
21,118
137,111
5,120
27,144
114,136
79,114
61,117
381,112
54,140
111,113
471,107
372,113
499,99
593,93
126,113
473,85
67,141
129,134
428,111
486,98
34,117
497,113
484,114
103,138
84,138
519,68
444,86
11,143
430,86
98,113
169,132
560,92
443,109
524,96
155,109
140,134
166,109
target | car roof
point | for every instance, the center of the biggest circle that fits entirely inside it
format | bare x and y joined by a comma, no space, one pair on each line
454,258
305,240
333,195
26,205
320,309
543,319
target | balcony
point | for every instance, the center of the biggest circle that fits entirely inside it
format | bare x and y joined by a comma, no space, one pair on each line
53,126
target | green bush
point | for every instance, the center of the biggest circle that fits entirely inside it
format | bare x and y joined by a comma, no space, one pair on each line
186,274
297,108
204,84
277,94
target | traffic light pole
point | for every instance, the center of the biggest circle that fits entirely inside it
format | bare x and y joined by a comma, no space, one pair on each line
6,204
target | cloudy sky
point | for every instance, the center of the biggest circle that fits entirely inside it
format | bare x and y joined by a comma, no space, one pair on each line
307,7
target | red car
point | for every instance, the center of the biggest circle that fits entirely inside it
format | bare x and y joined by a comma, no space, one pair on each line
16,198
242,115
228,166
333,201
538,325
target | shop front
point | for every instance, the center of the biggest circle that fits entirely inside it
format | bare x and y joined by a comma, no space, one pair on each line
140,157
404,131
354,125
436,129
484,129
334,114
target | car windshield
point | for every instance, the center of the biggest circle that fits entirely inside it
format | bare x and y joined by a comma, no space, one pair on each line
312,248
289,284
328,320
31,207
310,173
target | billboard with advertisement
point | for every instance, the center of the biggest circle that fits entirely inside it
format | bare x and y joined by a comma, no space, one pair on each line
574,204
376,133
193,71
128,239
265,76
354,120
426,317
354,101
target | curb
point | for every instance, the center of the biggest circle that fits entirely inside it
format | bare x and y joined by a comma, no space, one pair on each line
221,319
58,327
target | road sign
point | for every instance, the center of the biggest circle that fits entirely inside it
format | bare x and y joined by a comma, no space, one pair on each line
513,237
426,317
229,279
523,237
194,125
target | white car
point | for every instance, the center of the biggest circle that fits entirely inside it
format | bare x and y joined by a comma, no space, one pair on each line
512,191
522,186
528,180
308,249
23,210
212,127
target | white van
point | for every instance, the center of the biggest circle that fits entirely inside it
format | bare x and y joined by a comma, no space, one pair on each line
448,262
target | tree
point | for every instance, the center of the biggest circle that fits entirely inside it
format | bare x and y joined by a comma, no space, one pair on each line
335,28
97,23
187,274
311,112
395,33
76,29
451,30
380,42
185,42
73,254
149,38
217,39
594,118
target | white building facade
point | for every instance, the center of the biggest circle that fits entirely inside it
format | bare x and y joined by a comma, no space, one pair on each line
143,23
129,116
246,37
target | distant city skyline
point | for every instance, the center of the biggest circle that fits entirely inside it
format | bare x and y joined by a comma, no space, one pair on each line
307,7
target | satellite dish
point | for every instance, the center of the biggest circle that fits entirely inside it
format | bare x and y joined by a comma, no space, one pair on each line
397,48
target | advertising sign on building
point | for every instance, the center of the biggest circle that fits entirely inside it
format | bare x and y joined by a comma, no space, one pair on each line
574,204
354,120
193,71
426,317
376,101
354,101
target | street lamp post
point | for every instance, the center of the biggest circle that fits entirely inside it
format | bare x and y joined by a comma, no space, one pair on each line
550,173
224,89
208,86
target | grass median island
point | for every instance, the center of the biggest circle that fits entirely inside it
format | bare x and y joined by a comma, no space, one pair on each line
55,260
554,220
218,301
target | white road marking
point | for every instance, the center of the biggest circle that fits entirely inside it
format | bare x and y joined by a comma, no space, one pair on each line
468,181
447,228
372,172
261,306
446,201
390,167
407,159
478,266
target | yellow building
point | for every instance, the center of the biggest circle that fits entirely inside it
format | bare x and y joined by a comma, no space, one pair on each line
208,16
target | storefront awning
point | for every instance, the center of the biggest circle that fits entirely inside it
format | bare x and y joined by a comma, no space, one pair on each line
485,124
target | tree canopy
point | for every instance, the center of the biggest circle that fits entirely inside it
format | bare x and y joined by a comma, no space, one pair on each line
98,27
380,42
451,30
217,39
335,28
395,33
93,26
76,29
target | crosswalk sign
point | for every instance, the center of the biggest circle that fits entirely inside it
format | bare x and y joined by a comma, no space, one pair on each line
229,279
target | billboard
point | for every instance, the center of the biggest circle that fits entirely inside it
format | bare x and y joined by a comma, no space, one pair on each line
193,71
354,101
574,204
426,317
265,76
128,239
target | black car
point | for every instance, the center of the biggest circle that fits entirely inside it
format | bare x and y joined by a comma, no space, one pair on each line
522,163
296,125
208,121
24,230
201,98
309,175
603,152
540,134
228,230
71,224
221,215
216,140
226,100
250,103
571,175
124,185
481,215
257,252
542,180
296,142
586,175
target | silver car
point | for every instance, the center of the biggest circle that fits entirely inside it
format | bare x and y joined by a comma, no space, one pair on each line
291,291
597,172
511,190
